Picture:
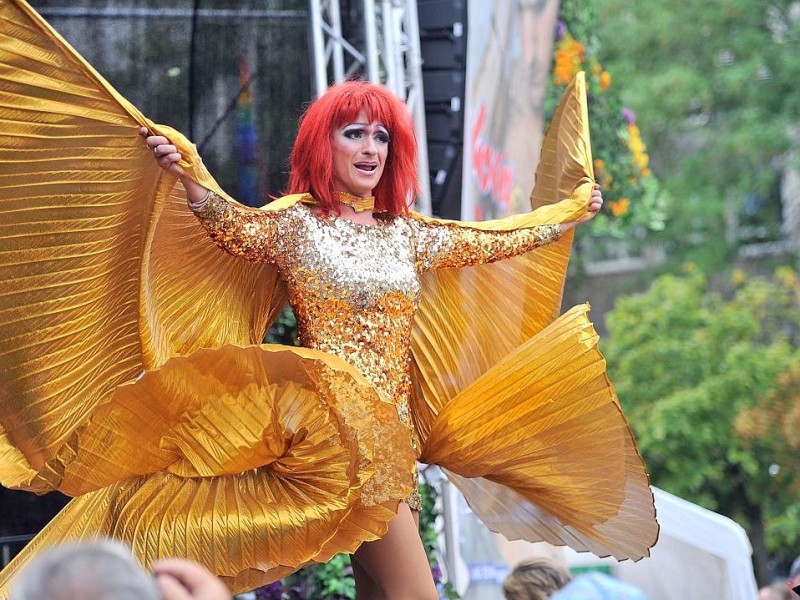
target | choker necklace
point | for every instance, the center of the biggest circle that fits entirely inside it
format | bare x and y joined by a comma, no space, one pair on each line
358,204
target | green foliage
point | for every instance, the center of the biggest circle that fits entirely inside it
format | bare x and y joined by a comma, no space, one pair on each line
691,367
430,538
335,578
634,198
427,521
715,87
330,581
284,329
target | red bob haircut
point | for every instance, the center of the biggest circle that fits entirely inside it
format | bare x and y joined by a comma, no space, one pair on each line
311,160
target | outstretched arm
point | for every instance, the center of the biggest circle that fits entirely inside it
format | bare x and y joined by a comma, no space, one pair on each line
448,245
243,232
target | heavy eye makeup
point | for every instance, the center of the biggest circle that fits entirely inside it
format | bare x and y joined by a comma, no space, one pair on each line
356,132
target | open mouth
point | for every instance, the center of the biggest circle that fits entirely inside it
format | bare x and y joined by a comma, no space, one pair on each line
366,167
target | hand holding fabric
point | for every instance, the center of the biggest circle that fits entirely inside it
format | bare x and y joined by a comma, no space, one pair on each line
181,579
595,204
168,158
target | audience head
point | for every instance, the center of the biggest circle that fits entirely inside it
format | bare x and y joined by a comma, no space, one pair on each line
535,579
103,570
776,591
794,574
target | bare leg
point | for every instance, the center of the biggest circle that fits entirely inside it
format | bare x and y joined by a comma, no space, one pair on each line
395,567
365,587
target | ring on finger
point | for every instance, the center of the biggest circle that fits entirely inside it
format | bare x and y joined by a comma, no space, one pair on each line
155,150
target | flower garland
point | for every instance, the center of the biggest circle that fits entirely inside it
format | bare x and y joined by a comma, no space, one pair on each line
634,198
569,57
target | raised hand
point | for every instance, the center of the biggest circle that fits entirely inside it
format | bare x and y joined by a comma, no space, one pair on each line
166,154
168,158
182,579
595,204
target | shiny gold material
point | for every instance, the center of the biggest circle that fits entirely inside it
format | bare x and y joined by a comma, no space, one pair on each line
134,378
355,288
358,204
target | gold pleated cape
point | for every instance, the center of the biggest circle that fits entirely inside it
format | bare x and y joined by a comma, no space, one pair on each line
133,377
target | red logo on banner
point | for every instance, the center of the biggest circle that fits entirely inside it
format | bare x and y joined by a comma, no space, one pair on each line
490,165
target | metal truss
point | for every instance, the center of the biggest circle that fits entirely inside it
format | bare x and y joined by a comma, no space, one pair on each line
386,50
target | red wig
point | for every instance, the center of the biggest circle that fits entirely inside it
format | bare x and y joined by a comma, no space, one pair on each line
311,161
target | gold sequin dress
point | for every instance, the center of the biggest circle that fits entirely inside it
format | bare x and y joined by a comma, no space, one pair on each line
135,381
355,288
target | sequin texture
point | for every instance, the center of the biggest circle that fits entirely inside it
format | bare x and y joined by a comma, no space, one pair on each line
355,288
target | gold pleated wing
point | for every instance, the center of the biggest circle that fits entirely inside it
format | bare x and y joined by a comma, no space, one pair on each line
541,451
252,460
115,312
104,271
470,318
512,400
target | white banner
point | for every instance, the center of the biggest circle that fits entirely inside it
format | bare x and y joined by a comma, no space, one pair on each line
509,53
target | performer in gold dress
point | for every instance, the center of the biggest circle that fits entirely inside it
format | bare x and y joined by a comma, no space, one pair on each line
136,381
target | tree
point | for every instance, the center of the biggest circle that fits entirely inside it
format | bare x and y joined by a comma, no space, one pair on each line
714,85
771,428
691,366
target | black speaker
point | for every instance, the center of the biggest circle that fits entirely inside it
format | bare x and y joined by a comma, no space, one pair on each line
443,44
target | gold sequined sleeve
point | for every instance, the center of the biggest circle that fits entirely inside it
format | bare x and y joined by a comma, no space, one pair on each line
239,230
447,245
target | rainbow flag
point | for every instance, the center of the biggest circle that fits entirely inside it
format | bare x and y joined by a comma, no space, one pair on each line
246,142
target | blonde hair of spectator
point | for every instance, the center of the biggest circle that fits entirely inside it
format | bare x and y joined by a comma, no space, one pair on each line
535,579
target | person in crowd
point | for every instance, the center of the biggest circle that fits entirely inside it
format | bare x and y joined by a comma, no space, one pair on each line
105,570
775,591
793,581
535,579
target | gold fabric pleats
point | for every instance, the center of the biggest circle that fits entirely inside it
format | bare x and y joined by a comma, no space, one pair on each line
513,400
133,377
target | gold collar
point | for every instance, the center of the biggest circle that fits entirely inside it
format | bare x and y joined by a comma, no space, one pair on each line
358,204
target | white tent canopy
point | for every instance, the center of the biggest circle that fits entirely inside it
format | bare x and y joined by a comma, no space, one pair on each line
700,555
